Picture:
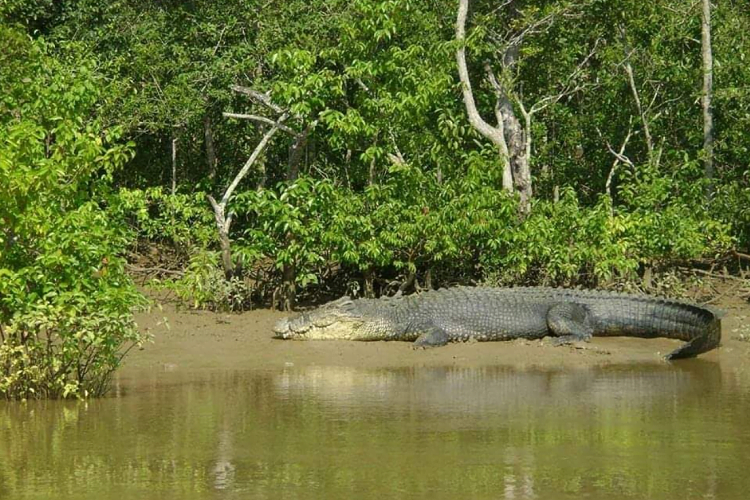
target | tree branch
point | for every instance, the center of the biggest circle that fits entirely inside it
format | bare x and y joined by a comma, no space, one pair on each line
254,156
484,128
634,90
260,119
619,157
264,99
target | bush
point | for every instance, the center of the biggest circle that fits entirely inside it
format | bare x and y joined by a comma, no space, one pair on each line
65,300
183,221
466,229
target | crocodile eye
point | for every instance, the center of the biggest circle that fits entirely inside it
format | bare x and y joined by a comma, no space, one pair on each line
323,322
300,324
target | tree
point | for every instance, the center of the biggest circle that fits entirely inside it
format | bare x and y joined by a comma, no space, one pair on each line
65,300
708,82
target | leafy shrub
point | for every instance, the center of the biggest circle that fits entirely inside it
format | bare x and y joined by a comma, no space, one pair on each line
184,221
466,228
65,300
204,285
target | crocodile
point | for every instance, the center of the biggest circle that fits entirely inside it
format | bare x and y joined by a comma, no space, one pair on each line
456,314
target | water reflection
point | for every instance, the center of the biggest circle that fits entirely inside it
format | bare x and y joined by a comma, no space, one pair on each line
658,431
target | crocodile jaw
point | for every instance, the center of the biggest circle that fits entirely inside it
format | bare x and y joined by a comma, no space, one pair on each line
319,325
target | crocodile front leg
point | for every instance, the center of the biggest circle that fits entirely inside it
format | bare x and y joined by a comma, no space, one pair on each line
431,336
569,322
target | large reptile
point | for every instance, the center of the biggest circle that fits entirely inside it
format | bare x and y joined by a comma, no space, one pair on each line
466,313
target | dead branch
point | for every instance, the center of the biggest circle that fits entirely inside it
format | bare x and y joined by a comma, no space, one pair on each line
707,94
259,97
260,119
224,220
634,90
713,275
253,157
570,86
619,157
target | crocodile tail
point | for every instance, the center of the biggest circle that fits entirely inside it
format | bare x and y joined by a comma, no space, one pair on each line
703,343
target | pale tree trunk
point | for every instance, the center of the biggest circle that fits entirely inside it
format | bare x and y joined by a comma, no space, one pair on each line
517,135
208,136
521,167
708,82
223,223
224,220
174,165
494,134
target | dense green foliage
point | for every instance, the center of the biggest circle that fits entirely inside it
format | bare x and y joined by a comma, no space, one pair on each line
378,180
65,301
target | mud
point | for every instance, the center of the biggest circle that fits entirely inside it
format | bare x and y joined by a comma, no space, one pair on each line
186,339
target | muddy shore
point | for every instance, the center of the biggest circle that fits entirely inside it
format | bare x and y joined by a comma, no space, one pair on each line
189,340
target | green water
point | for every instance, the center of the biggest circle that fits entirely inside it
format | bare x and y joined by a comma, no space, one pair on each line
664,432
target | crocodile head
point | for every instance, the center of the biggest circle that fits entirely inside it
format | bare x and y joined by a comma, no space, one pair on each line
337,320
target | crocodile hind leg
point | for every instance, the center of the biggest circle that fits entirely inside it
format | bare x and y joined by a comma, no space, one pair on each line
569,322
432,336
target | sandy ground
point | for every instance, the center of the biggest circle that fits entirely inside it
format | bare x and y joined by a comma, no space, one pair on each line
187,340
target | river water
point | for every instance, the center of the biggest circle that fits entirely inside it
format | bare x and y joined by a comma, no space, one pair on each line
661,431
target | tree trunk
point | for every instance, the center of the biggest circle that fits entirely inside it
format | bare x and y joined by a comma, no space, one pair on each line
208,135
496,134
428,281
223,223
288,287
518,152
174,165
708,82
224,220
517,136
296,151
369,284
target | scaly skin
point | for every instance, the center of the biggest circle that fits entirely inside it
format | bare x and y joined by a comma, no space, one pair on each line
486,314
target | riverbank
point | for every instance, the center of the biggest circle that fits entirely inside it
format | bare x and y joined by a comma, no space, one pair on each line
191,340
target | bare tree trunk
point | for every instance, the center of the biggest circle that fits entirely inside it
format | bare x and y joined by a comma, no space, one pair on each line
428,281
288,287
208,135
708,82
517,136
224,220
619,158
520,161
369,283
174,165
223,223
496,135
296,151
